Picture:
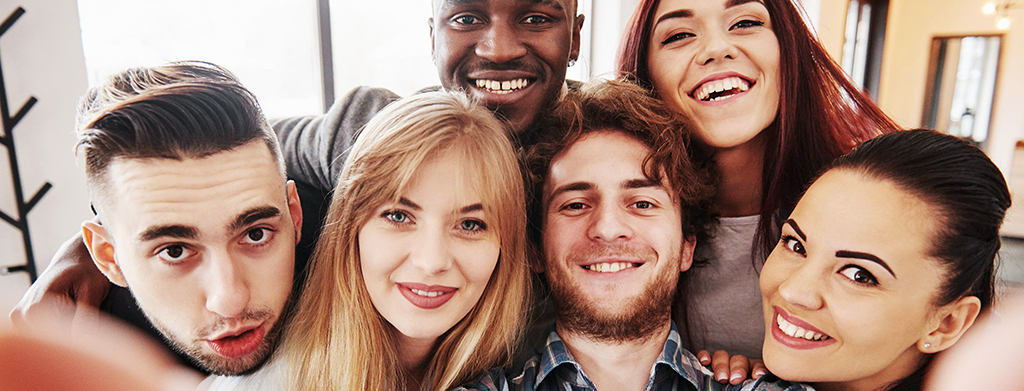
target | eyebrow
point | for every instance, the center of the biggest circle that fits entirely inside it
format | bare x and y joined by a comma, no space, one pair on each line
864,256
792,223
253,215
551,3
574,186
168,231
639,184
409,203
471,208
686,13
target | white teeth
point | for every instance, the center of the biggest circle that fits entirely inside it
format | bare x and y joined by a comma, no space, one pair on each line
426,293
728,84
609,267
502,87
795,331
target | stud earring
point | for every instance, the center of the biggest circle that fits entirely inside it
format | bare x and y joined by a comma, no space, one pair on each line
572,61
927,345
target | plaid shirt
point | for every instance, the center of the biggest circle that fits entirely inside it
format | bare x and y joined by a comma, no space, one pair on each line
676,369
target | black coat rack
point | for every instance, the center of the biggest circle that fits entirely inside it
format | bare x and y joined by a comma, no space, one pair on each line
7,140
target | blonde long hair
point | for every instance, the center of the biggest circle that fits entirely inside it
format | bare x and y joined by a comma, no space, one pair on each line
337,339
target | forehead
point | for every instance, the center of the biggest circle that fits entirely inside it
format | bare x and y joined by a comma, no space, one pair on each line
846,210
207,191
603,156
441,6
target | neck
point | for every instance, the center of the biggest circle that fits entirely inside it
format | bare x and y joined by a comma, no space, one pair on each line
616,365
902,367
414,355
739,193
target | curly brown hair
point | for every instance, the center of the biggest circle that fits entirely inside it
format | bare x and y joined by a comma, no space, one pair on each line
621,106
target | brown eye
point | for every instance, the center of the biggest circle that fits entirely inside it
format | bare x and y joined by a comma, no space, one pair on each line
859,275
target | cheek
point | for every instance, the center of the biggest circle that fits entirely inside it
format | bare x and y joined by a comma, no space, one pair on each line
375,258
478,261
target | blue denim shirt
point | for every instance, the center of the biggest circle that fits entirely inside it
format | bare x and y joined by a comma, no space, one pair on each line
554,369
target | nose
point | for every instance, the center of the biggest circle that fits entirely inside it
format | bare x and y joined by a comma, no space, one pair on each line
715,46
227,291
609,224
803,288
500,43
431,252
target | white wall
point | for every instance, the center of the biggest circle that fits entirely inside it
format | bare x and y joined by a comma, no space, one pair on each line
911,27
41,56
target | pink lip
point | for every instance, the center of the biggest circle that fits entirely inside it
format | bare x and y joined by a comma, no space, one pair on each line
427,303
793,342
719,76
238,343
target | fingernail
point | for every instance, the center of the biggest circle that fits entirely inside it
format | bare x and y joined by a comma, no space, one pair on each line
736,376
721,375
758,373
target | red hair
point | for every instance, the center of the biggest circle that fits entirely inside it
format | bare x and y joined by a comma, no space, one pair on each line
822,115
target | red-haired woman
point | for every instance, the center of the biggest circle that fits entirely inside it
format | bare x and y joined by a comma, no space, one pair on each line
774,107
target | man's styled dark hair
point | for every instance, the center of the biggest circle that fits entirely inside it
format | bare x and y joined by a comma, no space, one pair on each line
620,106
175,111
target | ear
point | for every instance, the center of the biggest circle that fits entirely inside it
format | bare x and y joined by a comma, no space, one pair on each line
430,23
686,257
101,248
294,209
952,320
574,51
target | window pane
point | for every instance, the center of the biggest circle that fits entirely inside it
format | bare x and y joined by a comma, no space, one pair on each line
270,45
382,44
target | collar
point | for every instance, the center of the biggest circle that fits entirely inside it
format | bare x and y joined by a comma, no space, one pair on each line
673,356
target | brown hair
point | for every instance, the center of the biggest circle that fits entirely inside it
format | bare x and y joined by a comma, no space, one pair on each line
175,111
620,106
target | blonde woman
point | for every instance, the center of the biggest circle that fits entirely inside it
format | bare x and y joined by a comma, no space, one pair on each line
419,280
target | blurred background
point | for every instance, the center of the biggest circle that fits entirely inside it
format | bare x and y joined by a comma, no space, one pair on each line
952,65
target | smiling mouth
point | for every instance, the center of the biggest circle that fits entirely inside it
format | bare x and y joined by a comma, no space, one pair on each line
721,89
795,331
610,267
501,86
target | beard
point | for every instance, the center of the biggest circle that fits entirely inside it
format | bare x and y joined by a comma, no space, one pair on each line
639,318
223,366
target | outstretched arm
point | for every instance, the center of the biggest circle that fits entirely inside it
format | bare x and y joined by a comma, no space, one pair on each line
70,289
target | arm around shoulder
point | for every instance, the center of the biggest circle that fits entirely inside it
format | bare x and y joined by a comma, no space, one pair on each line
315,147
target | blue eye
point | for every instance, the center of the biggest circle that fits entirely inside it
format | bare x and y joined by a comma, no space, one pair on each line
472,225
396,216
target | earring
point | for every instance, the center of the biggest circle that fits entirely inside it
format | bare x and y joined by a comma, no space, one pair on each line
572,61
927,345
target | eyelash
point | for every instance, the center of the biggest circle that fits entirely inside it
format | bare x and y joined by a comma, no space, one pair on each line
747,23
871,277
787,239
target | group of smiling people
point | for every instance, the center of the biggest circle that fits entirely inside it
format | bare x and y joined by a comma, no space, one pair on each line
804,227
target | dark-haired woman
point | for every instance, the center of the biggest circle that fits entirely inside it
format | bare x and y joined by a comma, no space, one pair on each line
887,260
774,107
